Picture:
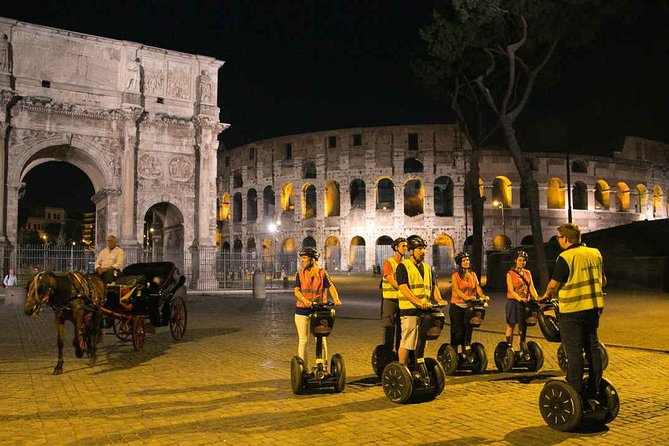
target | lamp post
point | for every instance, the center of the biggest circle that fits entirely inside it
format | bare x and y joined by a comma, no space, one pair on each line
46,245
500,205
273,228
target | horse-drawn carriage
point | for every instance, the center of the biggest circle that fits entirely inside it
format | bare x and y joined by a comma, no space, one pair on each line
143,291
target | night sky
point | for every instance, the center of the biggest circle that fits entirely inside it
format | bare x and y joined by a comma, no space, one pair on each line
300,66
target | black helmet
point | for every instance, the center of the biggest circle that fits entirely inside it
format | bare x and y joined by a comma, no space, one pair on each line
459,257
415,241
522,254
397,242
310,252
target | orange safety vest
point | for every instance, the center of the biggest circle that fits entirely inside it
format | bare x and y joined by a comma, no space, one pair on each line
466,285
519,286
311,286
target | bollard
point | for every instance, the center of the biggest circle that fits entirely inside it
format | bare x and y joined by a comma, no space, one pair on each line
259,291
15,296
285,282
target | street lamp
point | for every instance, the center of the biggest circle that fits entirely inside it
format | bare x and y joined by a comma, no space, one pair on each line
500,205
273,228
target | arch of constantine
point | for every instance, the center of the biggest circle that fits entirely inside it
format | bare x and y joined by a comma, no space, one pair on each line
349,192
141,122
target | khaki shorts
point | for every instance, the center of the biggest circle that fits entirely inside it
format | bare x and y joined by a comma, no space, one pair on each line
409,332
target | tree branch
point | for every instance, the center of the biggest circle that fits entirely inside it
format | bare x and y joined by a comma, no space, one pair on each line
510,54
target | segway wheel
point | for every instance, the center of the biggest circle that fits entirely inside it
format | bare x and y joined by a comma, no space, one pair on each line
481,363
560,406
504,357
537,356
448,358
338,370
437,376
397,382
381,357
562,358
605,356
297,369
608,397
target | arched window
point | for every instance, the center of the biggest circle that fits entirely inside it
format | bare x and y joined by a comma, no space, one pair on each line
308,242
579,195
501,191
332,205
268,202
640,198
356,255
251,245
251,205
555,195
309,202
622,197
287,202
579,166
385,194
237,246
413,198
601,195
224,209
413,165
309,170
657,201
237,207
332,255
358,194
443,197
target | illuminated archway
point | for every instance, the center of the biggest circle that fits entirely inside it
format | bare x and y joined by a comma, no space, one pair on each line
555,197
413,198
385,194
601,195
443,254
356,255
622,197
383,250
224,209
640,198
501,242
332,204
287,202
332,255
501,191
657,201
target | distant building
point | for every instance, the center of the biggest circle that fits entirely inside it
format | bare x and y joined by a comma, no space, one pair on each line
45,216
349,192
88,228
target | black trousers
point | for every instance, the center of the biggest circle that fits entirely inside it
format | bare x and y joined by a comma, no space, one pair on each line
579,334
461,333
390,319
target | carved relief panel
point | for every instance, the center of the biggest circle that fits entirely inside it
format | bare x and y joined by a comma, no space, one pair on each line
179,81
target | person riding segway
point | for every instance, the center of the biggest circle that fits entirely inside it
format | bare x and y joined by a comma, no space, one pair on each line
390,310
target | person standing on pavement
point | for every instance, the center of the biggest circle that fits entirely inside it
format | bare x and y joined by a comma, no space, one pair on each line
417,287
110,260
312,283
465,288
390,308
519,290
10,279
579,279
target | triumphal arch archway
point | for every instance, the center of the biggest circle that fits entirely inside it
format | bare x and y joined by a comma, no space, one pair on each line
141,122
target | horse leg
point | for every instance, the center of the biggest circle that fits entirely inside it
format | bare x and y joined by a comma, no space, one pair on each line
77,318
60,329
94,336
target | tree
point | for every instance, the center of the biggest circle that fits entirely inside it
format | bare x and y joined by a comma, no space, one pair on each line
487,57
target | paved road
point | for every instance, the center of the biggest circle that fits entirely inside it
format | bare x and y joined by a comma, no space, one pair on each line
227,382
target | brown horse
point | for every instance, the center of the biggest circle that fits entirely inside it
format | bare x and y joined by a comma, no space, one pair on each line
73,297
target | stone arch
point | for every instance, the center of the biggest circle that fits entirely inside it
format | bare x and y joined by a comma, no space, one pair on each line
237,207
443,197
413,165
309,242
332,199
309,201
237,246
225,247
309,170
383,250
268,202
579,166
164,226
579,195
414,192
251,245
332,254
555,196
527,240
501,242
622,197
358,194
385,194
287,200
251,205
288,246
501,191
601,195
224,209
657,201
443,254
640,198
356,255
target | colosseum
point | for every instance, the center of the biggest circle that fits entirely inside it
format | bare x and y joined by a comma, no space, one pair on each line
349,192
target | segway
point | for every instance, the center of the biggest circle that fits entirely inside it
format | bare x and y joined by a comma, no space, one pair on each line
423,377
384,355
563,409
530,356
321,322
474,359
550,328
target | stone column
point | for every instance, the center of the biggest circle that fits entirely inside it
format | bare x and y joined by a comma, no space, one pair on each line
6,98
127,217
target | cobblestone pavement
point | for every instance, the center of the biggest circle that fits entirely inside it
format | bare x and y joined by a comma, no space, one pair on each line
227,382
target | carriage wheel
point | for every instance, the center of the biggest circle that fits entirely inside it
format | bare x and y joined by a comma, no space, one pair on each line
138,334
397,382
537,356
481,358
297,368
338,370
437,376
179,318
83,335
504,357
381,356
122,328
560,406
448,358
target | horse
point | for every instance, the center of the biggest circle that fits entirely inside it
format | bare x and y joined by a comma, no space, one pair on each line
73,297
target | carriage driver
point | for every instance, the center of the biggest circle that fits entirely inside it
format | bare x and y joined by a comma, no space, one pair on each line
109,262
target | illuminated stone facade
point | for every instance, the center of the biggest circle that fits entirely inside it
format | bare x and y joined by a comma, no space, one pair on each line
350,192
141,122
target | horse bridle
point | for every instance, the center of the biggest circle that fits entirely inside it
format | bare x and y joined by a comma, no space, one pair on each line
41,300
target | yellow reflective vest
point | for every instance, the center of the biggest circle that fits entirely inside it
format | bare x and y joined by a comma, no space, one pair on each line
583,289
387,289
421,286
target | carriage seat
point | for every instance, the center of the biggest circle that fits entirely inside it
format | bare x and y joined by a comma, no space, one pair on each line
158,274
